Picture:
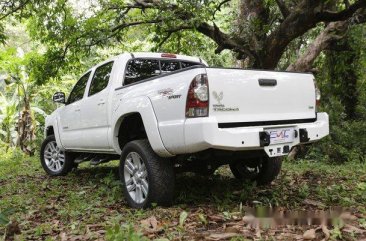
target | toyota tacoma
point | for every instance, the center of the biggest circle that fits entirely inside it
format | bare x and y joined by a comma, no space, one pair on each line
160,114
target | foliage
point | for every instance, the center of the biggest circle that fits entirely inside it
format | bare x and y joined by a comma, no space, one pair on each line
47,207
342,81
48,44
124,232
8,118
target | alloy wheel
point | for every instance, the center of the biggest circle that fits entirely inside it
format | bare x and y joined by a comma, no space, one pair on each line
54,157
135,175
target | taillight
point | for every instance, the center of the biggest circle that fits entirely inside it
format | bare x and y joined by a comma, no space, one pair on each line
317,94
198,97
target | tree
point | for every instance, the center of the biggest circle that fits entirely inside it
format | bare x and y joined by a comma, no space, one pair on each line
263,29
257,31
17,109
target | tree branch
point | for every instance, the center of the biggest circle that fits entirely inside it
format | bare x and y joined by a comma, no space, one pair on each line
328,16
334,31
218,8
171,31
126,25
303,18
14,9
283,8
222,40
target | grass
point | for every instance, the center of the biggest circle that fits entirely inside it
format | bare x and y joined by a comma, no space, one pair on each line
88,203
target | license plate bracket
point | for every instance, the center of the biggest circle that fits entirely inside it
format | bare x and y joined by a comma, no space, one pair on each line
281,135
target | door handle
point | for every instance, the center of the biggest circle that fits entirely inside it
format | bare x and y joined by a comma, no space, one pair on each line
102,102
77,110
267,82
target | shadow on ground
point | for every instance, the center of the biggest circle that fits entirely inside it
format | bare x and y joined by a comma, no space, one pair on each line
191,189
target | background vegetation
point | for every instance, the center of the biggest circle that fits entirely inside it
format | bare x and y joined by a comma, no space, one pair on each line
46,44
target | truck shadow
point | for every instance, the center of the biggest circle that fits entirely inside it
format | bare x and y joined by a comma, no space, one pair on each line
190,189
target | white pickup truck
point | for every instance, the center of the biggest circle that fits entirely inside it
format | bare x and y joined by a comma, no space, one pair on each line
164,113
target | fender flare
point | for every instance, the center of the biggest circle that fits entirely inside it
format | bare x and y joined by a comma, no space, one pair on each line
143,106
54,124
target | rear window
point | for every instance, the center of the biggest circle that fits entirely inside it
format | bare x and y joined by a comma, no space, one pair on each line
169,66
142,69
189,64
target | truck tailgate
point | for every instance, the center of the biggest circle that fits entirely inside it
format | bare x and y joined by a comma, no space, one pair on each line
238,95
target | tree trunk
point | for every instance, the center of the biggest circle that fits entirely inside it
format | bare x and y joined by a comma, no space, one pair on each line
344,77
26,129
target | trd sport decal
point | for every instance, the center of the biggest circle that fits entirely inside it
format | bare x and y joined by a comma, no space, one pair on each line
169,94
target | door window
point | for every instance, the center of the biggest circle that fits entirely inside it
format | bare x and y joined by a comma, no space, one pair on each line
77,92
101,78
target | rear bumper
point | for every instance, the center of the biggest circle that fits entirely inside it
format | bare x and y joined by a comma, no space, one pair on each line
204,133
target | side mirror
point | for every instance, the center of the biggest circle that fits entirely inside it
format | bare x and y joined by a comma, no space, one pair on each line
59,97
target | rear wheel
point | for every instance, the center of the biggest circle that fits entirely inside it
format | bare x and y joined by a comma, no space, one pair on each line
263,170
55,161
146,177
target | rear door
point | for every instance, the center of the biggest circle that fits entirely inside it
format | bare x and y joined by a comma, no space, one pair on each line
238,95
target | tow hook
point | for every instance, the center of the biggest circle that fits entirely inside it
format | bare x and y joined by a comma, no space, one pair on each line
264,138
304,136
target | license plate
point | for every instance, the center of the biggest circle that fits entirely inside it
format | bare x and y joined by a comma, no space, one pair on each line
281,135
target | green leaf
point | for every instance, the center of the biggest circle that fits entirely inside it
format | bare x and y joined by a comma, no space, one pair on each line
3,220
4,215
202,218
182,218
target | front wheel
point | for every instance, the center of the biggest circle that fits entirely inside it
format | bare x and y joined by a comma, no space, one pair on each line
55,161
263,170
146,177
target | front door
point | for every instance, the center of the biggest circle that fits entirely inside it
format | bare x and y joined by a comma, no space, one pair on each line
70,116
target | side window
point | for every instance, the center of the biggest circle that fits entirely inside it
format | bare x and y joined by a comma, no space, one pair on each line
101,78
169,66
189,64
77,92
140,69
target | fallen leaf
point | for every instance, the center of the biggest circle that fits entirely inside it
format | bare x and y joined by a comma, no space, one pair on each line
309,234
232,230
150,224
12,229
222,236
217,218
352,229
313,203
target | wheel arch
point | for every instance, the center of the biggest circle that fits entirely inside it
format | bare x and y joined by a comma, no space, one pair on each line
140,109
51,128
49,131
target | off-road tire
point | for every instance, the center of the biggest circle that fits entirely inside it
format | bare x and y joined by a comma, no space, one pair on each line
160,174
69,160
268,171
